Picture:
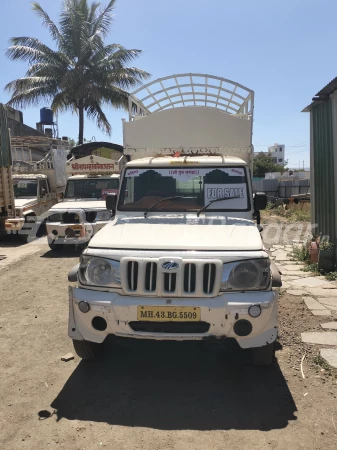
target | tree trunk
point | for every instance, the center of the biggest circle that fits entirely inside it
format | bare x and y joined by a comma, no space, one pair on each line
81,122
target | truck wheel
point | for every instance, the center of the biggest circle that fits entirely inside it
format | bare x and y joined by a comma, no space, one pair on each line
54,246
87,350
263,356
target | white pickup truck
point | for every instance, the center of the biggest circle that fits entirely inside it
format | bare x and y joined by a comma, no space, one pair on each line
35,185
183,258
82,213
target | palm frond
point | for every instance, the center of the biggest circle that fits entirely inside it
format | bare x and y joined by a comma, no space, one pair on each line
48,23
94,111
104,19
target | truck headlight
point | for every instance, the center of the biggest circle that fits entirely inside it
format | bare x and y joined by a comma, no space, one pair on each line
103,215
97,271
248,275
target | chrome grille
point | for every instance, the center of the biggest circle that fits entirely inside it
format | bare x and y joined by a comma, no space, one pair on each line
133,275
209,278
151,276
191,278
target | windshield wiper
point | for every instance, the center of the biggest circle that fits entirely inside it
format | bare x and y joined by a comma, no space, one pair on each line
176,197
213,201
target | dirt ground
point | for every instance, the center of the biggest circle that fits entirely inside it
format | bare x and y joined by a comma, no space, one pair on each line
150,395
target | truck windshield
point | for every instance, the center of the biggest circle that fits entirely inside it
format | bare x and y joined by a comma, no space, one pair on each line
197,186
25,188
95,188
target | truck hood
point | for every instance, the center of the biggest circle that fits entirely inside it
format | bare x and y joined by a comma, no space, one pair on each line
80,204
141,234
24,202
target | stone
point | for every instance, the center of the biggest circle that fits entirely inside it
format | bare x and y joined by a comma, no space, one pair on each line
330,355
296,292
320,292
329,325
294,267
313,304
320,337
331,301
309,282
321,312
281,256
67,357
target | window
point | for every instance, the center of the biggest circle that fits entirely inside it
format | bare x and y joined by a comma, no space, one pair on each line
43,188
96,188
24,188
280,160
191,189
280,149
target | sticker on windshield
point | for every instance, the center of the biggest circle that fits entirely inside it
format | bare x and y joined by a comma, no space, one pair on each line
227,191
184,175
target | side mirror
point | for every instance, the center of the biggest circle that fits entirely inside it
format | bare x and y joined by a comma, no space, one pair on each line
260,201
111,202
43,192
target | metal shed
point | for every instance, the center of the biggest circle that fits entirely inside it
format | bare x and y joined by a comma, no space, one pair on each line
323,160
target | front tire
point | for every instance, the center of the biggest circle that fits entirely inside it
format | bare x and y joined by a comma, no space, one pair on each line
53,246
87,350
263,356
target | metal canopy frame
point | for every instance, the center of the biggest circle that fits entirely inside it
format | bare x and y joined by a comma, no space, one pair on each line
191,89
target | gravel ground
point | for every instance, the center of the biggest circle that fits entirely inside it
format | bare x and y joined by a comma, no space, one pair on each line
150,395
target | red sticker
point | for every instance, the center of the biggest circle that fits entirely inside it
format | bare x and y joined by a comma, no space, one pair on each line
108,191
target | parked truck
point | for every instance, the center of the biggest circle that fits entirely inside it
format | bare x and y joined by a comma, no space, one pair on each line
183,258
82,213
7,208
29,187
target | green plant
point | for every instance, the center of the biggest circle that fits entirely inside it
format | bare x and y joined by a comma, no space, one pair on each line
331,276
326,246
313,267
270,206
300,216
81,74
301,253
322,363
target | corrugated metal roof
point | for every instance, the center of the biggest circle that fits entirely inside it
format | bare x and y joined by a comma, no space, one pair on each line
322,95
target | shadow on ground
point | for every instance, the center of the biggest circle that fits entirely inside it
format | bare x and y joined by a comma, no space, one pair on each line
172,385
66,251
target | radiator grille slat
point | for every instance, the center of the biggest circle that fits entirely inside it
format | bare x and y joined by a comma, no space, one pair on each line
190,279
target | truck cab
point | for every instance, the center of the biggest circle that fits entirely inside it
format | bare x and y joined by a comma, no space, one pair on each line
82,212
183,258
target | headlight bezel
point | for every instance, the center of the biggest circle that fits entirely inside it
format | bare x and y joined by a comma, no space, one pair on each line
103,212
262,283
85,278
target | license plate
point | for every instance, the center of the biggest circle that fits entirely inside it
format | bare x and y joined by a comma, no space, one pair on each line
168,314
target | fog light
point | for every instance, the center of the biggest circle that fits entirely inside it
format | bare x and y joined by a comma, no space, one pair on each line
99,323
242,327
254,311
55,232
84,307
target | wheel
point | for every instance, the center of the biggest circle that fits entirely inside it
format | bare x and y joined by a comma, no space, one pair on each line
263,356
53,246
87,350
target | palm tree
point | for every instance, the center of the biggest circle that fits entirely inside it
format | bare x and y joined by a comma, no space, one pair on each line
83,73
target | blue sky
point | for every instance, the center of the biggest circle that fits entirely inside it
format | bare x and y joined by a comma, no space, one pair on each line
282,50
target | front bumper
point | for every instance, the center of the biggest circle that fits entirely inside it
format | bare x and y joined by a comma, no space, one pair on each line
71,233
221,313
14,224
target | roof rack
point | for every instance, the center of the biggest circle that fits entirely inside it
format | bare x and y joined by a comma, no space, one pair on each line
191,89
